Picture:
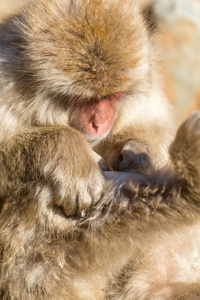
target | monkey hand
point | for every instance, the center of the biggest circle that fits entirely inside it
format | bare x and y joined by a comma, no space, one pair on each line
131,156
59,157
78,180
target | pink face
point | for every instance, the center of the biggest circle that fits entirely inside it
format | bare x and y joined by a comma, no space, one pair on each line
95,118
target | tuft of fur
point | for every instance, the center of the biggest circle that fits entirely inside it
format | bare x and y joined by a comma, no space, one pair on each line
90,45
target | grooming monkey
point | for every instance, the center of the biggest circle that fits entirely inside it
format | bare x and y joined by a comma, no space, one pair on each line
79,79
78,76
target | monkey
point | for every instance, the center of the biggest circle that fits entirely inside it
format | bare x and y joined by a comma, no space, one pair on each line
139,241
75,78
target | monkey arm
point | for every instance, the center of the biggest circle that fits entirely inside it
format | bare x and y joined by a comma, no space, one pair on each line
57,156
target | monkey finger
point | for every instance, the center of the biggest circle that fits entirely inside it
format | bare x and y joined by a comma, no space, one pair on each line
128,160
100,161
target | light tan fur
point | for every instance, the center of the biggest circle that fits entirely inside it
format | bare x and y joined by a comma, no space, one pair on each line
68,230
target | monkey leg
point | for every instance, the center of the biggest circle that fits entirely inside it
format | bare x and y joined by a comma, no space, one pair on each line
185,153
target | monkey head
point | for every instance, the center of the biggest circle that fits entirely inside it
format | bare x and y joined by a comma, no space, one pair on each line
88,55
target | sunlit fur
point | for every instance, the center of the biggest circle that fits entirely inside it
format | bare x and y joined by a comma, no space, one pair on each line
66,231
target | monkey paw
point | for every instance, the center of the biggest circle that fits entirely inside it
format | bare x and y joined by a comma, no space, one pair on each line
185,150
76,195
76,176
133,157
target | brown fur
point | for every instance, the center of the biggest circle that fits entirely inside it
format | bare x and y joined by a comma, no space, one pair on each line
68,230
141,240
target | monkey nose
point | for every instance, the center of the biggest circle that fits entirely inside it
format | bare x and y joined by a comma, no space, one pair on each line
98,121
96,126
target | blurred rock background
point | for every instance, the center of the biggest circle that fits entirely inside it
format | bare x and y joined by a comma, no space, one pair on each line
178,25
